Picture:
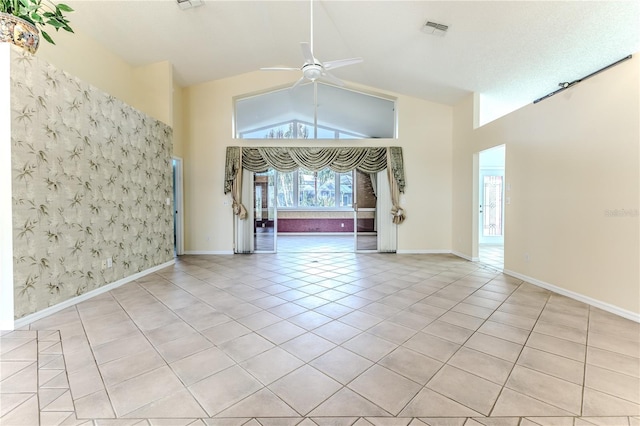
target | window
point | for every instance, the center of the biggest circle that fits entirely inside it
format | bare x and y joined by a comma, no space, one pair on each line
324,189
331,113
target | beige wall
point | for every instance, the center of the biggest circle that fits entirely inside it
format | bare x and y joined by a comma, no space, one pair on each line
569,160
88,60
148,88
178,121
424,134
154,90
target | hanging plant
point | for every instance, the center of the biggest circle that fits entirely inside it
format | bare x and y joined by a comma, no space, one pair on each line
39,13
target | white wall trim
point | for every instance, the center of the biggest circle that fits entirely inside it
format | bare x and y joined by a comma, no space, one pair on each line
577,296
6,208
464,256
225,252
322,234
428,251
26,320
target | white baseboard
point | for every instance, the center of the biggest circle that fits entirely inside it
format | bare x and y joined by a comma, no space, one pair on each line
633,316
225,252
464,256
26,320
440,251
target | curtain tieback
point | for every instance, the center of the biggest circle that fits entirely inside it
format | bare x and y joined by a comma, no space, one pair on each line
239,210
398,214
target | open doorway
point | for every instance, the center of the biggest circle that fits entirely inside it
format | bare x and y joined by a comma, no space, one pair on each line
491,187
304,211
178,216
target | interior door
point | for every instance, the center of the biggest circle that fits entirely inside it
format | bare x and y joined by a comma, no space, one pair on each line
364,206
265,213
491,207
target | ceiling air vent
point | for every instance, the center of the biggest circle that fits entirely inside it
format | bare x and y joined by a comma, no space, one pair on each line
188,4
435,28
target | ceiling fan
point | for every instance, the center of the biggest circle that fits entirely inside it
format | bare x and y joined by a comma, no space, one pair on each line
313,69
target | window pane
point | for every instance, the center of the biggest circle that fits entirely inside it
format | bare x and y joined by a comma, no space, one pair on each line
285,190
346,189
341,113
326,188
306,188
324,133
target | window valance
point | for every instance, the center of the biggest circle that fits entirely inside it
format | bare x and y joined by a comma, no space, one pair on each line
338,159
288,159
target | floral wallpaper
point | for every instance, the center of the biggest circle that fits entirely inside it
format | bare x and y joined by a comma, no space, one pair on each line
91,176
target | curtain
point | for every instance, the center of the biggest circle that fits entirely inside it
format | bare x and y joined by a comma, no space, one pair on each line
341,160
387,228
396,182
233,180
244,228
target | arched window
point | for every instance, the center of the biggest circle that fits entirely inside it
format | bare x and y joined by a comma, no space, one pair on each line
315,111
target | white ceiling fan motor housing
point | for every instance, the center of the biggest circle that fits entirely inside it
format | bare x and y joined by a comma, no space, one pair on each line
312,71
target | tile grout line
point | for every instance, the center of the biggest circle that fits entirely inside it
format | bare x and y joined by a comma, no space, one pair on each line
584,370
524,345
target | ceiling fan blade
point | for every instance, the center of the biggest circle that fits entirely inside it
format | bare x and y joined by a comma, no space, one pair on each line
297,83
331,79
341,63
279,69
307,53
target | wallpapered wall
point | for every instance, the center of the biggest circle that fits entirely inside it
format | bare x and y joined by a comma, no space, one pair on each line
91,176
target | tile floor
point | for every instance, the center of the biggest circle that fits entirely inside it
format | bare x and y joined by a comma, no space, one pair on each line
324,339
492,255
316,243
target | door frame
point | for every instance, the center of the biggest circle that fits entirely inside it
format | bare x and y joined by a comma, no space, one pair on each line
475,195
178,203
275,209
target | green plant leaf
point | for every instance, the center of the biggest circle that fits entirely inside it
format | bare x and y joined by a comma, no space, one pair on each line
54,23
36,18
63,7
47,37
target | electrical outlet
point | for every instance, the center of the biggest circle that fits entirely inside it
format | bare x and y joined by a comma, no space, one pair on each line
526,257
109,262
342,225
104,264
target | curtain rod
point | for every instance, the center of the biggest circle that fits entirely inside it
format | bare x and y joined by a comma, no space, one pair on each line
566,85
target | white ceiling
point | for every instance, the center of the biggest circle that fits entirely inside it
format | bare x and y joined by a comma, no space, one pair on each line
512,51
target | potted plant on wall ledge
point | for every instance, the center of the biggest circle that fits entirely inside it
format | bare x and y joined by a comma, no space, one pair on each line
20,19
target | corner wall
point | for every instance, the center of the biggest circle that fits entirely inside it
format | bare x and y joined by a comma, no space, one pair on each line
573,164
424,133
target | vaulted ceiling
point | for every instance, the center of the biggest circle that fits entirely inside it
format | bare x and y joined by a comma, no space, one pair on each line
510,51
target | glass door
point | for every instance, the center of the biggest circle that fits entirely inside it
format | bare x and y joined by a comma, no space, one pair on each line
265,224
365,224
491,207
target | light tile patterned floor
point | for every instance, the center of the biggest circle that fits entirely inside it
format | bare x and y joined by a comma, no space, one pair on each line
492,255
324,339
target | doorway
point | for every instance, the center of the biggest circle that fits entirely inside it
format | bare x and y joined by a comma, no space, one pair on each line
323,211
491,189
178,216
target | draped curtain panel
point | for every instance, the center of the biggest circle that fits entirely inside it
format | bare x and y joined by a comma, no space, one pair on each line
341,160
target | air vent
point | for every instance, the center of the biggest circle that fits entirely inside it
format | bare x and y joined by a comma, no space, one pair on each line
188,4
435,28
